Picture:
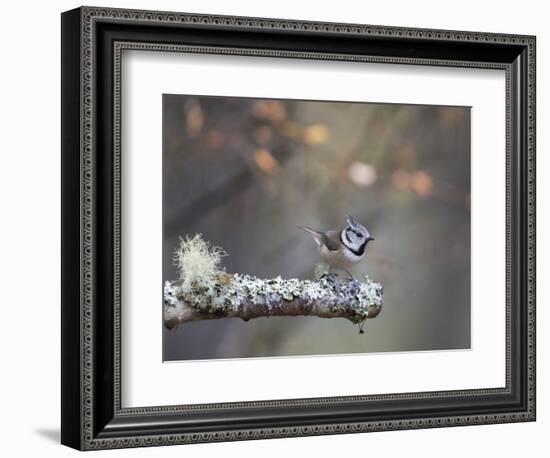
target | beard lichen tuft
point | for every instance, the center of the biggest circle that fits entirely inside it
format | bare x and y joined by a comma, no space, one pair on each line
199,263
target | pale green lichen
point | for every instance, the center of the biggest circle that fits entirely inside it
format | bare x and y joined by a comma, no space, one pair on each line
205,286
198,262
225,295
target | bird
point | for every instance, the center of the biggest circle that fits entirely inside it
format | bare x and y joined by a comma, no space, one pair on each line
342,249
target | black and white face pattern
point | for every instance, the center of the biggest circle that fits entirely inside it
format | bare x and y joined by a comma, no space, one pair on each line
355,236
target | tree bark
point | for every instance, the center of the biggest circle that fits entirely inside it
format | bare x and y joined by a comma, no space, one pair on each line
237,296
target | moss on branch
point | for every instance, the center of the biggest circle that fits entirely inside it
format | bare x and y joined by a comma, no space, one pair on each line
204,291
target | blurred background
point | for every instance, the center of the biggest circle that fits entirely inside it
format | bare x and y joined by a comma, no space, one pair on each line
246,172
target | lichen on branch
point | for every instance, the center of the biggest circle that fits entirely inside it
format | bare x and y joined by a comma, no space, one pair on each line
205,291
198,262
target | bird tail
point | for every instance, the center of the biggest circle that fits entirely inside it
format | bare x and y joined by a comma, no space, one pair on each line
317,236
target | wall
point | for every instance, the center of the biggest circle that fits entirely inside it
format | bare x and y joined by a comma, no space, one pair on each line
29,246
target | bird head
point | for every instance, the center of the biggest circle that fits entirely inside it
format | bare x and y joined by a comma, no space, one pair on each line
355,236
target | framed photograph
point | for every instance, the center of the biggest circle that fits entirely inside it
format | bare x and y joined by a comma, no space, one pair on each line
276,228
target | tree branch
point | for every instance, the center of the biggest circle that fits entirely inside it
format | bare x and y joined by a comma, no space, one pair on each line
247,297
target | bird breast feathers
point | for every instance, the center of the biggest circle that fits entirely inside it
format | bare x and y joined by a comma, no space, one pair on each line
340,257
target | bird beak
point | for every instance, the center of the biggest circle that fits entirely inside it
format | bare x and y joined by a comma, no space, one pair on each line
371,238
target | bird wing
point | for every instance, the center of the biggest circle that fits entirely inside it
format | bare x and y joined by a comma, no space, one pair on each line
332,240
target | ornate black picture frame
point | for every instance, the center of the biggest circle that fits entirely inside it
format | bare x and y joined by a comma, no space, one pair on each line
92,42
